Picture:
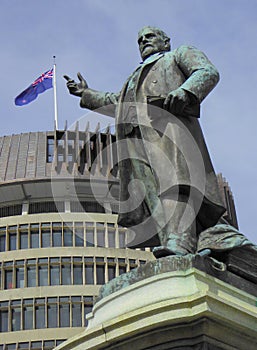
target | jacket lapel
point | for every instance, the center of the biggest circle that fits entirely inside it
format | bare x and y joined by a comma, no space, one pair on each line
150,61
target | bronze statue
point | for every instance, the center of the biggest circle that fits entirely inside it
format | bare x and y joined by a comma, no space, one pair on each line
168,188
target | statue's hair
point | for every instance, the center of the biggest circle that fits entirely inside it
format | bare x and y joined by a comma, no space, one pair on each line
160,32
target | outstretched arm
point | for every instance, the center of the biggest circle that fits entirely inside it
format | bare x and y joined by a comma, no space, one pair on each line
104,102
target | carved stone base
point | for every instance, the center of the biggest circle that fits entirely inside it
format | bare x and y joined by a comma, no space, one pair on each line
170,304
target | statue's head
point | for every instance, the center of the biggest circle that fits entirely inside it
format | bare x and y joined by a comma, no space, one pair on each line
152,40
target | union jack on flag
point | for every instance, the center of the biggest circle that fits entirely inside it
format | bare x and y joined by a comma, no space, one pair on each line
46,75
42,83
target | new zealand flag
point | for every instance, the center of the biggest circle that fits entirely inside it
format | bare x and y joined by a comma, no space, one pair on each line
44,82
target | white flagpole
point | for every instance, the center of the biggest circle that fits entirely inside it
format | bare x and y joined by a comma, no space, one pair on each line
55,96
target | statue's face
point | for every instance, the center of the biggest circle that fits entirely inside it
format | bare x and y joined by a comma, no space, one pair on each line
150,42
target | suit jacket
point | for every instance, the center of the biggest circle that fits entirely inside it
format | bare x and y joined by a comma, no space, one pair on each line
174,146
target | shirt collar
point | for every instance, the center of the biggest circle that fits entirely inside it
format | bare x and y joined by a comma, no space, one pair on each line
151,58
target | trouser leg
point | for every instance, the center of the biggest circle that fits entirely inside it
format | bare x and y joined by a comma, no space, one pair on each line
179,236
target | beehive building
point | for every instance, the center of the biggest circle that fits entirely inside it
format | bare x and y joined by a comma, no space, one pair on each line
59,240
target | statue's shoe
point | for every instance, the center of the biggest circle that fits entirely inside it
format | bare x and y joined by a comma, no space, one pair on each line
162,251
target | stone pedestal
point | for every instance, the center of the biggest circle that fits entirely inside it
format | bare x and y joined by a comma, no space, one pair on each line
171,303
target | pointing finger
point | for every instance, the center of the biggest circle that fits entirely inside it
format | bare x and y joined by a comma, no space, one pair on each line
67,78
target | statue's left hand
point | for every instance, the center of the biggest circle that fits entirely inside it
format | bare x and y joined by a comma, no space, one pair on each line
176,101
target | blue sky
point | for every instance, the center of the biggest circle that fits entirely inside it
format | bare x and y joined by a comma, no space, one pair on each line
98,38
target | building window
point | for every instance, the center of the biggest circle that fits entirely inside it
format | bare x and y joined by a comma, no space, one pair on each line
90,239
45,238
16,315
20,275
46,207
66,271
4,316
89,270
67,237
12,238
2,239
28,314
79,236
34,237
52,313
100,236
10,347
76,312
64,312
57,237
36,345
111,238
31,273
122,239
11,210
48,345
132,264
122,266
23,236
88,304
77,271
43,272
23,346
54,271
40,313
100,268
50,149
24,240
111,267
8,275
87,207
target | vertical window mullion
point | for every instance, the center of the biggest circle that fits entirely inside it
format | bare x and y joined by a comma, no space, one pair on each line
25,274
9,317
34,315
72,272
73,234
62,230
95,235
70,311
94,269
58,312
1,276
40,235
29,238
51,234
22,318
117,237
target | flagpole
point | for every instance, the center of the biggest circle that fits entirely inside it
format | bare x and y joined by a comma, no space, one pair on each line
55,96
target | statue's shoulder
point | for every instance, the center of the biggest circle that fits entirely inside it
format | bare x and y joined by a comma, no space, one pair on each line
187,53
183,49
180,50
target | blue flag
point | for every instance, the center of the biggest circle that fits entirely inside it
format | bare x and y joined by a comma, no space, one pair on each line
44,82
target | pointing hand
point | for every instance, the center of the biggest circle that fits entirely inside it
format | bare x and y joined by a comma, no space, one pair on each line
76,89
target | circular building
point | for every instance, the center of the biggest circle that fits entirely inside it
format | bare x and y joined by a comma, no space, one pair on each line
59,238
